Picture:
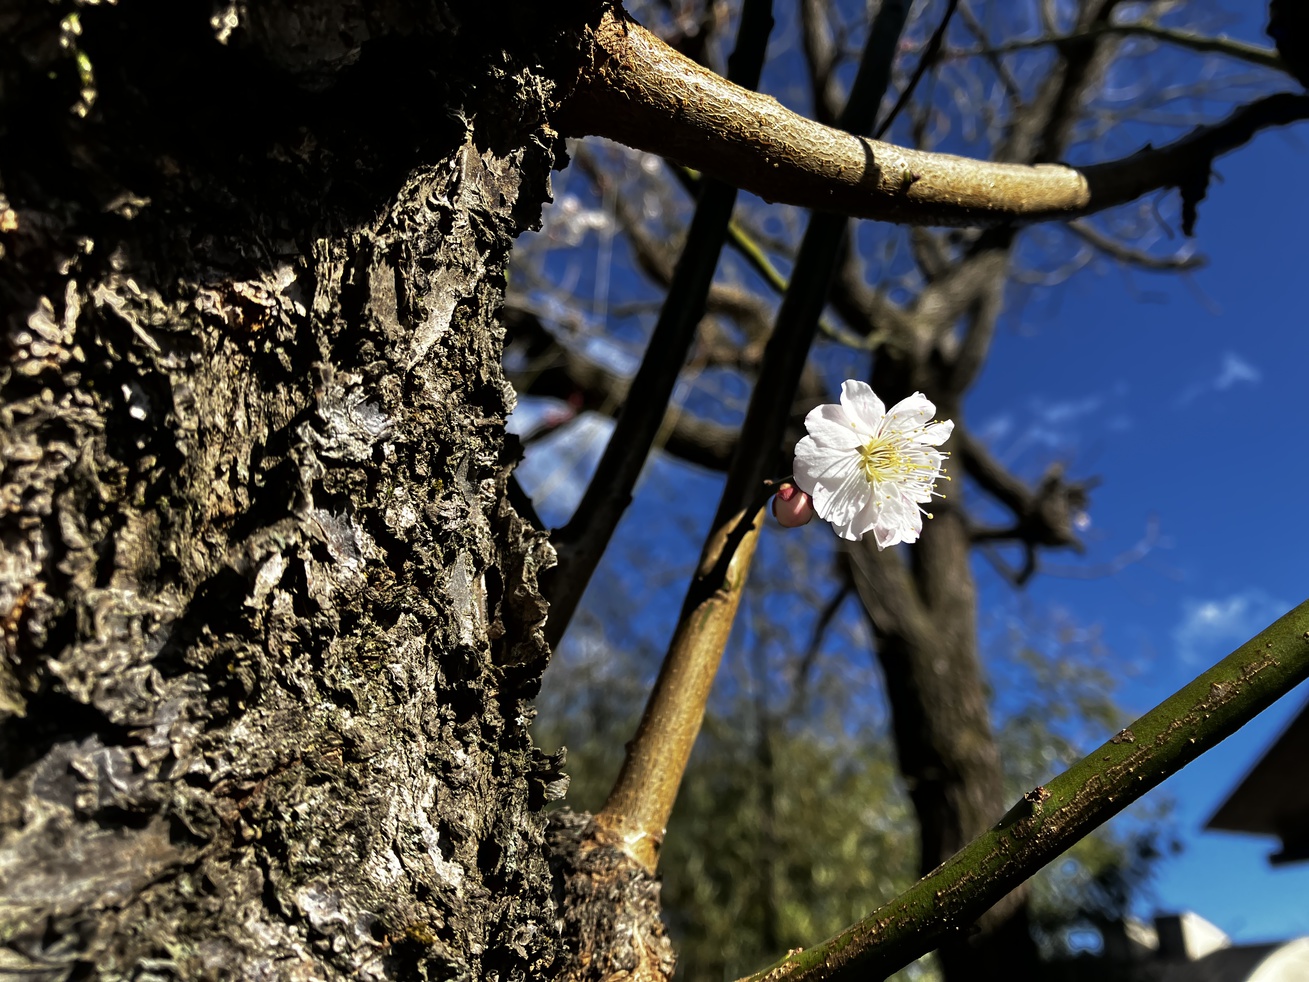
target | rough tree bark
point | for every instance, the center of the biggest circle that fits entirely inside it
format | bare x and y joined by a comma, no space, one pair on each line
270,626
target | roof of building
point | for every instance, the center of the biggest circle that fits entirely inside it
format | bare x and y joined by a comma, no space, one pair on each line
1274,797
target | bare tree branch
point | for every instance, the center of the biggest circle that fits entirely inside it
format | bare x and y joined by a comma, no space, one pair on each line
1012,89
1124,253
643,93
931,51
1043,516
642,798
582,542
820,59
555,371
1230,47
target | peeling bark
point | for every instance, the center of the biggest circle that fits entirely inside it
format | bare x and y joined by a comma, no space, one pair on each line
270,625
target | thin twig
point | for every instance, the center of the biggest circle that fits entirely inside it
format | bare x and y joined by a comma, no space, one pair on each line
925,61
1252,53
757,259
1131,256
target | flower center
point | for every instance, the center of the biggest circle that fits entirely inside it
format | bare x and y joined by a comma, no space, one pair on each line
883,460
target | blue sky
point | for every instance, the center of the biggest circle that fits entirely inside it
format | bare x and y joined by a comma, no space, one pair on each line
1184,395
1188,400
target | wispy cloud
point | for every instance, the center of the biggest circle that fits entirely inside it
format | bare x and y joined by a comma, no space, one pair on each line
996,428
1233,371
1065,410
1056,424
1210,628
1236,369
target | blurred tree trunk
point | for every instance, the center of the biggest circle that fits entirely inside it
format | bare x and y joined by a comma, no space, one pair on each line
924,612
270,627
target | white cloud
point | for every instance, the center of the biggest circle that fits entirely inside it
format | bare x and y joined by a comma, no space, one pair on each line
1234,370
1065,410
996,428
1211,628
1058,425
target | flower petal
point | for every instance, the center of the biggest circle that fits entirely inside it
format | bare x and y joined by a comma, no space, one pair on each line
937,433
903,525
862,405
887,535
829,425
832,478
847,499
868,516
867,470
816,464
909,413
839,498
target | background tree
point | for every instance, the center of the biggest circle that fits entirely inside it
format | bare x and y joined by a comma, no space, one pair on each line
272,627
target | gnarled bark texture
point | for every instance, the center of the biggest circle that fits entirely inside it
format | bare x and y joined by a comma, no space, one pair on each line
270,628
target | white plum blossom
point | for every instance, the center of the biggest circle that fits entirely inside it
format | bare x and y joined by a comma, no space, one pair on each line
870,470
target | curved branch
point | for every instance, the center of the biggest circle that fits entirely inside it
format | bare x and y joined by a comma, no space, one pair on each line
642,93
1140,258
581,543
752,251
557,371
1043,516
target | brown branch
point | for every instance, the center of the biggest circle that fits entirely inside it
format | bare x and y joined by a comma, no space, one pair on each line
931,52
820,58
866,309
1252,53
1043,516
1011,87
581,543
556,371
642,798
748,244
1124,253
642,93
992,254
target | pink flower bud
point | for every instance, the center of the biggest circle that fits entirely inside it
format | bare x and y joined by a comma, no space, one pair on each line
792,507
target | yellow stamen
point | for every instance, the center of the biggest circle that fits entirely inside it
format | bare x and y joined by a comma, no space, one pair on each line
883,460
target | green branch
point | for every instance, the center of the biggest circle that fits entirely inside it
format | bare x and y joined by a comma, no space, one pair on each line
1052,817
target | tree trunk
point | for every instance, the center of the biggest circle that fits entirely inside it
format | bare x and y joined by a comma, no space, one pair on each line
270,626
